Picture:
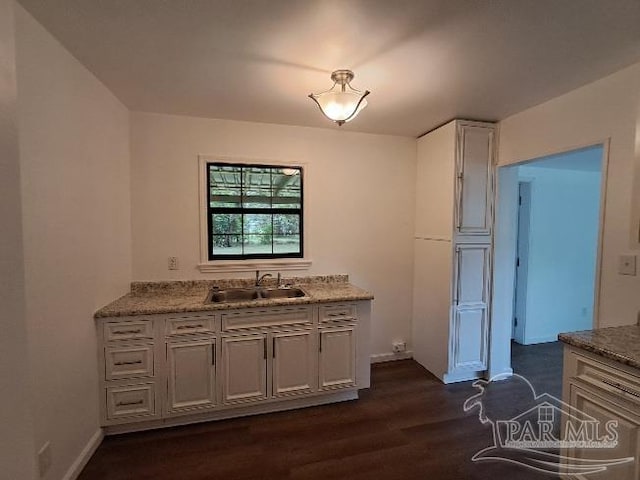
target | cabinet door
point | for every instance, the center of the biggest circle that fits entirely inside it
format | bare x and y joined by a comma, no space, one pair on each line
474,192
469,332
294,364
337,357
244,368
628,429
192,375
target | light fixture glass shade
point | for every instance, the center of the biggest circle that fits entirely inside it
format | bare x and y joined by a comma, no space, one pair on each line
341,103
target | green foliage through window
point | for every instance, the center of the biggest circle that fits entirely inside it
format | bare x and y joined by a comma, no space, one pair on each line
254,211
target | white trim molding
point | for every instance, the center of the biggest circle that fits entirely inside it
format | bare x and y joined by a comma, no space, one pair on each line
226,266
390,356
251,266
87,452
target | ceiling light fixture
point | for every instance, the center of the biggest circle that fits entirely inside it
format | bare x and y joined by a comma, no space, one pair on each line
341,103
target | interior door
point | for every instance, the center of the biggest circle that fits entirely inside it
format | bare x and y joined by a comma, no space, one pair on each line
522,262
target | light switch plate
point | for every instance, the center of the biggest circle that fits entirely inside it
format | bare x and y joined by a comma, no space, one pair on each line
627,265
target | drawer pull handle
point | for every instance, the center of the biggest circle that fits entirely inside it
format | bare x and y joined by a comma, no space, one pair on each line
132,362
341,314
184,327
126,404
125,332
621,387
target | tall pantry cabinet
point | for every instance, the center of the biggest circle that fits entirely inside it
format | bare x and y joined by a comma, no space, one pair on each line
453,246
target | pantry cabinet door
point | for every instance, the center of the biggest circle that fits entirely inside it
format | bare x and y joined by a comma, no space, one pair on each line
469,329
474,172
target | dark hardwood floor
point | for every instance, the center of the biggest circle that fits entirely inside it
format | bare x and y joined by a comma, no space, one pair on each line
407,426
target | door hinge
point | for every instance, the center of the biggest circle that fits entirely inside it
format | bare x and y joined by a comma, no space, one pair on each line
515,321
518,262
520,200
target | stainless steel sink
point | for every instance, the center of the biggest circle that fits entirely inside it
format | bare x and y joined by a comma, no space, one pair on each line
230,295
288,292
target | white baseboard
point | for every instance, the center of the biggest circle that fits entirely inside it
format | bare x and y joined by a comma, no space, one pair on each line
87,452
390,356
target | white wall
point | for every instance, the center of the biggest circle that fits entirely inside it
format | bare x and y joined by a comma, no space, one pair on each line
359,198
563,242
606,109
74,142
17,449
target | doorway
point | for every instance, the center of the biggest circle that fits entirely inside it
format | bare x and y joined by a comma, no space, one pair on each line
547,249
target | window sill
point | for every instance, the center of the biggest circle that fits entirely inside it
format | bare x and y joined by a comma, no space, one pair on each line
253,265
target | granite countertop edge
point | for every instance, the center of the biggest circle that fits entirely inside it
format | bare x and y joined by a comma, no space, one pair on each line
164,300
614,343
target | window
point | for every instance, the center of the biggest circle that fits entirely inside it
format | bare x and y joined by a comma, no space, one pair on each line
254,211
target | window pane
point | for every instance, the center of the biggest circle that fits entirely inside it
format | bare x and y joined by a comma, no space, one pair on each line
227,244
254,244
224,186
286,244
256,184
286,188
224,223
286,224
233,189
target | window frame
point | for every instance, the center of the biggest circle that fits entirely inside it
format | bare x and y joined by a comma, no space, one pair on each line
284,262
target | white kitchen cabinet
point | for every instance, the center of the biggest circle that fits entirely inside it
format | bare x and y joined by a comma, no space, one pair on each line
453,244
172,369
628,428
337,357
474,176
294,365
244,368
605,390
191,371
469,333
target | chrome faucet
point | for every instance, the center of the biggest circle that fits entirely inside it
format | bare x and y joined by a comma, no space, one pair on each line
259,278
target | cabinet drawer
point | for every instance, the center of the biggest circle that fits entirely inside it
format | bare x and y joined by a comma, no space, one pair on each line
266,318
608,378
131,401
189,324
128,362
338,312
129,330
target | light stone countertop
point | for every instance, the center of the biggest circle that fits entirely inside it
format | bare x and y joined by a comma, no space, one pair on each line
148,298
621,344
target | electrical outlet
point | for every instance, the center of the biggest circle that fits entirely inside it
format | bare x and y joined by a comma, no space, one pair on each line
399,347
44,459
627,265
173,263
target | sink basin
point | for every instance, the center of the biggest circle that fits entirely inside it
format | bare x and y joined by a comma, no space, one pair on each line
233,295
256,293
288,292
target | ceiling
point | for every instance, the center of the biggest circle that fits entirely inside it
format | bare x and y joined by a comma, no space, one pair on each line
425,61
